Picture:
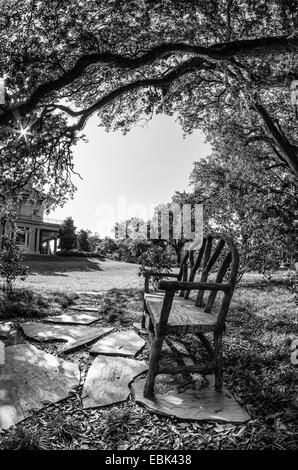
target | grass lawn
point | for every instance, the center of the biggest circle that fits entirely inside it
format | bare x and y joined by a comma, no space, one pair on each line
76,274
261,326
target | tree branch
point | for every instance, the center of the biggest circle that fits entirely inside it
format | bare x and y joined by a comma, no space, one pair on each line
191,65
218,51
289,151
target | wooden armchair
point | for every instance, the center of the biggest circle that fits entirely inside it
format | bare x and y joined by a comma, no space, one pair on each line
172,311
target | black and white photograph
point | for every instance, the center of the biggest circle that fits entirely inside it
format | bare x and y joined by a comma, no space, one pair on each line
148,229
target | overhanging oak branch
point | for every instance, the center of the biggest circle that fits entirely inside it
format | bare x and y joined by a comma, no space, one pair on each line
218,51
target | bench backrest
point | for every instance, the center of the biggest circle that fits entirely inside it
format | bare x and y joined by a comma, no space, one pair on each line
217,258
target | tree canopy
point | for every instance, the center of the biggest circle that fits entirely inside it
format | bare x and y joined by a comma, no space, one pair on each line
224,66
249,200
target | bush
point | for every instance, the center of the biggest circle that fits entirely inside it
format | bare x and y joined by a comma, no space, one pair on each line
11,266
156,258
83,254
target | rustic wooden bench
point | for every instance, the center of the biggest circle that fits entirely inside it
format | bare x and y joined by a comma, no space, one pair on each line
185,305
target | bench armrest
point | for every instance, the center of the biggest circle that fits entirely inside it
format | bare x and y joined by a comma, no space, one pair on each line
158,274
183,285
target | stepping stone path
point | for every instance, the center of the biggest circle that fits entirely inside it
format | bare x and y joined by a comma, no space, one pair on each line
30,379
75,336
194,405
108,379
120,343
80,318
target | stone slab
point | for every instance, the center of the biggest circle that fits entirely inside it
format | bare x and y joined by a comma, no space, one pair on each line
5,329
108,380
2,353
74,335
119,343
193,405
31,379
84,308
139,329
75,318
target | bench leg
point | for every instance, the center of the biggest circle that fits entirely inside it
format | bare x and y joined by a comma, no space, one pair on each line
153,366
206,343
144,315
218,357
143,320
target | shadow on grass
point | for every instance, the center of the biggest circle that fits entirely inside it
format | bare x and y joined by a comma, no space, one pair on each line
57,265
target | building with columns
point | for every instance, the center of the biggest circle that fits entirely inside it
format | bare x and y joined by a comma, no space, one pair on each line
36,233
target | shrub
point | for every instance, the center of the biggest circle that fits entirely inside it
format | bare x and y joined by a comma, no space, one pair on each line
11,266
156,258
82,254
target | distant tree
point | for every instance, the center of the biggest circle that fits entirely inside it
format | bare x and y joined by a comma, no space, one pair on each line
94,241
107,246
252,202
83,240
67,234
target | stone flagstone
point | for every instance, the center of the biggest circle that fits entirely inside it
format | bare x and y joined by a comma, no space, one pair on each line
5,329
85,308
120,343
76,318
2,353
108,379
194,405
75,336
139,329
31,379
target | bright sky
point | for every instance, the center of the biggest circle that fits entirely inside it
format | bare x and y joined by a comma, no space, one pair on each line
128,175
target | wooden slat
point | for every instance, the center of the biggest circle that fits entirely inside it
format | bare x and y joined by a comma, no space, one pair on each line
207,268
184,260
196,266
220,275
185,317
184,277
176,285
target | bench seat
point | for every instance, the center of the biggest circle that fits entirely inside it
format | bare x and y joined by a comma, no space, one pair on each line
185,317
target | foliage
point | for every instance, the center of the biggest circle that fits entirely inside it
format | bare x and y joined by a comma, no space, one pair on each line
107,246
130,250
222,66
11,267
22,439
67,235
82,254
94,241
253,204
156,258
83,240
